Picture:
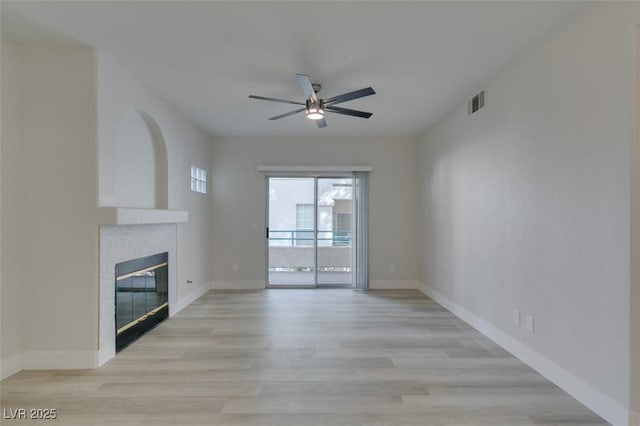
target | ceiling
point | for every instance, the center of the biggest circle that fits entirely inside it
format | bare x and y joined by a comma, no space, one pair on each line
206,57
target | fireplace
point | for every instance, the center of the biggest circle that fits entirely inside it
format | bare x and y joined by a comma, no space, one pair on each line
141,296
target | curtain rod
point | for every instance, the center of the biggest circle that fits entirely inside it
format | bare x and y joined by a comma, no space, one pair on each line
264,168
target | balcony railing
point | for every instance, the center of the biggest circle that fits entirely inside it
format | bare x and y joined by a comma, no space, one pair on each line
304,237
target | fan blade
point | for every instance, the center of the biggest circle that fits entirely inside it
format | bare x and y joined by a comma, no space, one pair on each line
305,84
347,111
287,114
321,123
262,98
350,96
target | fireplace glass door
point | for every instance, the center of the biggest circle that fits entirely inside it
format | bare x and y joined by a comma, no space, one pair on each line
141,296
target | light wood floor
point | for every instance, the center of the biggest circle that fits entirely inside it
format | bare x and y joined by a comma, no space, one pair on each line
303,357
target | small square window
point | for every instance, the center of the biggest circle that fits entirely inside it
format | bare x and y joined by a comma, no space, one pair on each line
198,180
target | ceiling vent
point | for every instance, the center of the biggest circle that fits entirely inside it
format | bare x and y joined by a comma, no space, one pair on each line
476,103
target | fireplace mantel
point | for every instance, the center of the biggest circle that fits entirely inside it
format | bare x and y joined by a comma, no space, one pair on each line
133,216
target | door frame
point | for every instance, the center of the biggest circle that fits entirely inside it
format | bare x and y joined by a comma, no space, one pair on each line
315,176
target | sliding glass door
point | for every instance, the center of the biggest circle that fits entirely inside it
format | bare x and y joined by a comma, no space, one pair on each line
309,234
291,243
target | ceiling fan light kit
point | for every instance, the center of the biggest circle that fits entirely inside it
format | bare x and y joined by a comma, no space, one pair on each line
314,107
314,111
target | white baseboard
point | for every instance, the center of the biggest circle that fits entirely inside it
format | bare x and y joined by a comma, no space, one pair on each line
10,366
60,360
260,285
238,285
188,299
393,284
612,411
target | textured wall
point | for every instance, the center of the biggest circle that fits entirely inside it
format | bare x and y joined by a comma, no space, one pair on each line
526,204
238,192
119,94
59,188
12,284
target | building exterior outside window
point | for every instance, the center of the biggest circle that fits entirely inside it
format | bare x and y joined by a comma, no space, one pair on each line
291,215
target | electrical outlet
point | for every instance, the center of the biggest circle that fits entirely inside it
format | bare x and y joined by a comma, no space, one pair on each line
530,323
189,282
516,316
392,268
235,266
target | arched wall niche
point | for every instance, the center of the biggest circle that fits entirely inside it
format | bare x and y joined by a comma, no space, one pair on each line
141,175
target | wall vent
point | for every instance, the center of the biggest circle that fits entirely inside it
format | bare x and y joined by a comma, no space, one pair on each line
476,103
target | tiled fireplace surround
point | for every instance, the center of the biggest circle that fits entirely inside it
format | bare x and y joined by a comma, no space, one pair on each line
121,243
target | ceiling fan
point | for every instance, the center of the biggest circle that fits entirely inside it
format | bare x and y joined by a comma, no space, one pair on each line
314,107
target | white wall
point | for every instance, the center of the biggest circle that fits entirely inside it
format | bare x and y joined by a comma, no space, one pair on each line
60,109
119,93
239,201
11,280
59,189
634,395
526,205
135,165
